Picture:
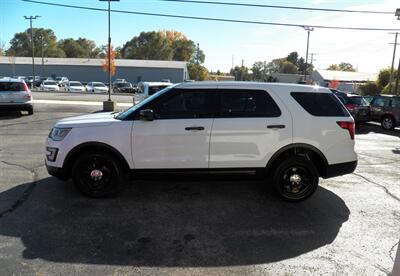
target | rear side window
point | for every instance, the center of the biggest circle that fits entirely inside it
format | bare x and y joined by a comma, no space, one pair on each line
320,104
247,103
382,102
396,102
11,86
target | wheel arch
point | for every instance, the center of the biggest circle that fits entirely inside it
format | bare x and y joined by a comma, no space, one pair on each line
92,146
300,149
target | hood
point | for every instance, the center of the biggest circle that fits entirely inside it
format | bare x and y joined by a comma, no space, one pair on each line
97,119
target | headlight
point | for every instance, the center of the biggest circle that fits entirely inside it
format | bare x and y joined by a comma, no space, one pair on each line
58,134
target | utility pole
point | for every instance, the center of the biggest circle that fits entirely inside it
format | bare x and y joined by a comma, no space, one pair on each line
396,86
312,59
109,105
197,61
394,55
32,47
41,37
308,29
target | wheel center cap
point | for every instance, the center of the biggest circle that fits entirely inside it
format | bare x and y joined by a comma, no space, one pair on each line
295,178
96,175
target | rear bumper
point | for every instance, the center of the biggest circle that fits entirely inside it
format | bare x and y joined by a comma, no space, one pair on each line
59,173
340,169
16,106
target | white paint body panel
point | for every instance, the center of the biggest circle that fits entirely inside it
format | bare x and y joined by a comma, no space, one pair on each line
165,144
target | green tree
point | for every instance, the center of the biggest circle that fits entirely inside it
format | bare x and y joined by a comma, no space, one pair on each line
92,51
259,70
369,89
288,68
275,65
343,66
72,49
241,73
293,57
20,44
384,77
197,71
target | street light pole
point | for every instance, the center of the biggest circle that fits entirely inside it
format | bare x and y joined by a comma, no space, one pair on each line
32,47
391,68
396,86
109,105
308,29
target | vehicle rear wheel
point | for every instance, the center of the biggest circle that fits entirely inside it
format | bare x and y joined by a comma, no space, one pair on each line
388,123
295,179
30,111
97,175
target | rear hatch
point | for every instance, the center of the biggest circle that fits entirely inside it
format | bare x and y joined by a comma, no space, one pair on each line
14,92
357,106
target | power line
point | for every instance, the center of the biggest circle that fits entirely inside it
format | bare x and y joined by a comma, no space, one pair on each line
216,19
277,6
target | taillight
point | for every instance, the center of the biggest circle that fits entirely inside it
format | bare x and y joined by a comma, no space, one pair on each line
29,94
349,126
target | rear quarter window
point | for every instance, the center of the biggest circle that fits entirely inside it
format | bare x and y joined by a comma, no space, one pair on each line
11,86
320,104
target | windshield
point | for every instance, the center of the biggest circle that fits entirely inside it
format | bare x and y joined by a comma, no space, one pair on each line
129,111
50,83
357,101
75,84
58,78
98,85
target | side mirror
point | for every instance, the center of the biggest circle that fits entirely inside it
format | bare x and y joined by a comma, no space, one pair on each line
146,115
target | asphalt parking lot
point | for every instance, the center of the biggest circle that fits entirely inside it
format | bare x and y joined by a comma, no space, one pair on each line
351,226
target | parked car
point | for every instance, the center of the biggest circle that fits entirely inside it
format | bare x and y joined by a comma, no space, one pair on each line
386,110
146,89
62,81
15,95
96,87
356,105
123,87
118,81
49,85
75,86
293,134
36,82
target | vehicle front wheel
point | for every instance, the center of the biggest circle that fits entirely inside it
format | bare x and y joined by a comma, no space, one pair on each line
388,123
30,111
97,175
295,179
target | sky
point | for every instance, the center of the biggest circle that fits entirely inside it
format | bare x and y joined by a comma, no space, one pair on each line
225,43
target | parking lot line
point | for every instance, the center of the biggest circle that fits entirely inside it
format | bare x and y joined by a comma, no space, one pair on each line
78,103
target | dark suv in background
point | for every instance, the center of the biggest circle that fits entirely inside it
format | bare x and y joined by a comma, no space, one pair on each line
386,110
356,105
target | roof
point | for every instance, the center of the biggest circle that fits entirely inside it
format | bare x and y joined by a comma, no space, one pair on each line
346,76
96,62
255,85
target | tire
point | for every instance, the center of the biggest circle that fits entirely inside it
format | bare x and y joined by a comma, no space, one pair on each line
104,167
30,111
388,123
295,179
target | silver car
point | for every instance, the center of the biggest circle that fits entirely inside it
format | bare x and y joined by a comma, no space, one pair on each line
15,95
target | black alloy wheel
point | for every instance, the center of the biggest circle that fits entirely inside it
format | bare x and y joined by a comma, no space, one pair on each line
96,175
295,179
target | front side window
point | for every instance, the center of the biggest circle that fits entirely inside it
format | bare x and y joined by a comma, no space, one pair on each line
185,104
247,103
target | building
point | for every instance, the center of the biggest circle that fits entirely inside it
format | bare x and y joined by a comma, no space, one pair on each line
87,70
348,81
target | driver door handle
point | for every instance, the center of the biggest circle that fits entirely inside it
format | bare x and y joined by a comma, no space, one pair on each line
194,128
276,126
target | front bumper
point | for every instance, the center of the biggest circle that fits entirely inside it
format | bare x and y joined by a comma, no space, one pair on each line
340,169
59,173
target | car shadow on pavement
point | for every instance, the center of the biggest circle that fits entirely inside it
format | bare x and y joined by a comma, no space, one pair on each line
366,128
169,224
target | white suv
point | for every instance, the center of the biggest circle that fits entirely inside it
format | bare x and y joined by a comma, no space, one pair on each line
292,134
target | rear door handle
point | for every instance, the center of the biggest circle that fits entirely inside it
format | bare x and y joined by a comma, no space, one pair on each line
276,126
194,128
